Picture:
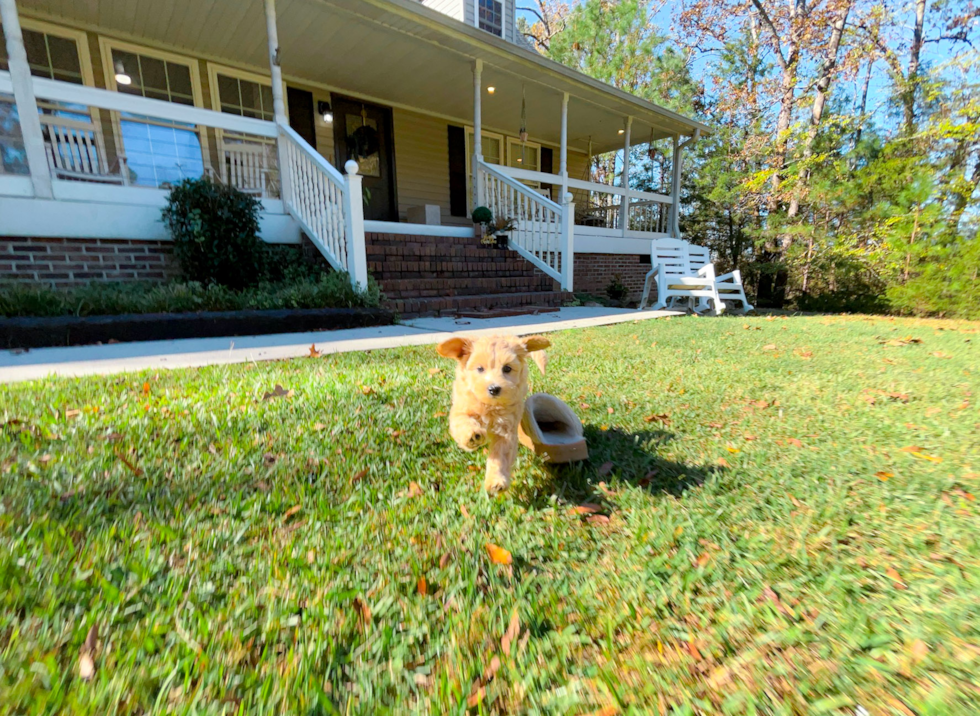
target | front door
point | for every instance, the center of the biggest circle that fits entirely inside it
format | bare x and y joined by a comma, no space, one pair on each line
363,132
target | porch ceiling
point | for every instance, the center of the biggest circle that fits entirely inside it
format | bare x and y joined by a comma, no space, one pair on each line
389,51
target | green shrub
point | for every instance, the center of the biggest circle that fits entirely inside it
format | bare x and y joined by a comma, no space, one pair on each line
616,290
482,215
326,290
215,232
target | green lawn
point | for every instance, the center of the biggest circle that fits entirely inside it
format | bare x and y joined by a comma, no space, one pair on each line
786,525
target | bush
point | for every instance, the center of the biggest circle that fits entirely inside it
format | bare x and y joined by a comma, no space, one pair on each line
328,290
215,232
616,290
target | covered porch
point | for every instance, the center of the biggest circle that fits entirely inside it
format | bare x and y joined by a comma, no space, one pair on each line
529,126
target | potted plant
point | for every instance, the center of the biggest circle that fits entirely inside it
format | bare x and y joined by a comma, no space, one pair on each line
501,228
483,225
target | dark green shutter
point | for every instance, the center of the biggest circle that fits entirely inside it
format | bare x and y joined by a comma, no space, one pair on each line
457,171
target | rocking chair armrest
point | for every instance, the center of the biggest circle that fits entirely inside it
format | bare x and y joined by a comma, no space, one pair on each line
735,277
707,271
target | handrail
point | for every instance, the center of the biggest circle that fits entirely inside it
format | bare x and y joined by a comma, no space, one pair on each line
618,191
322,164
497,171
106,99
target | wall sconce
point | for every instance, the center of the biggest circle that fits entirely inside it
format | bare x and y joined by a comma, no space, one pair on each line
491,90
121,76
323,109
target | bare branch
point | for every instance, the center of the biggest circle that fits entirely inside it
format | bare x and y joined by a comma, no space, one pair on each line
775,33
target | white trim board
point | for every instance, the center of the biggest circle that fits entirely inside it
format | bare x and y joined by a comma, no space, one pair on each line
87,219
393,227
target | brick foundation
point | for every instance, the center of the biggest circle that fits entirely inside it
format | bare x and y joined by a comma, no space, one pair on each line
594,273
73,262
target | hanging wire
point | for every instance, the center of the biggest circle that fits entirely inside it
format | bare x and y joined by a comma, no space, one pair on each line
523,133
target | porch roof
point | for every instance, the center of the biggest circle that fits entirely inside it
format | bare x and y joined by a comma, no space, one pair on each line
395,52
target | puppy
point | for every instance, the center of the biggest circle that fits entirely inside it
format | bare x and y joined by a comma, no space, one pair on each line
488,397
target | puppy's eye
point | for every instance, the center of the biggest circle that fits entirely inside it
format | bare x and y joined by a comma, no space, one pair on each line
479,369
507,369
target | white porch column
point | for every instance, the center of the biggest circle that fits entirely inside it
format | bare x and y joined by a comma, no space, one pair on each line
567,242
477,131
563,151
30,121
624,209
278,104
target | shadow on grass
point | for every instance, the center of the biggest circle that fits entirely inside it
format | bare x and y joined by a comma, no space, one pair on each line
632,457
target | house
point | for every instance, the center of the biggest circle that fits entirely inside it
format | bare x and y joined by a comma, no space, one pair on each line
370,129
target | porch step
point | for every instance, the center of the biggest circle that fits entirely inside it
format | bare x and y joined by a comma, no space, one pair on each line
451,285
484,305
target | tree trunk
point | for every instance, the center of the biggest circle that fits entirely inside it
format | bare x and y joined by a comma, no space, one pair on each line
912,77
862,108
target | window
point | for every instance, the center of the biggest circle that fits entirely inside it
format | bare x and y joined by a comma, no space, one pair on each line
523,155
244,97
157,151
49,56
492,17
493,153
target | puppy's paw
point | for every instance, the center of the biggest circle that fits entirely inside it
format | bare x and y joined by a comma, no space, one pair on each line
495,484
477,439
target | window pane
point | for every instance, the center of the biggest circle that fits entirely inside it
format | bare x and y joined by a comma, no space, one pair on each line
161,154
228,94
37,53
491,150
130,65
180,80
267,101
64,57
153,74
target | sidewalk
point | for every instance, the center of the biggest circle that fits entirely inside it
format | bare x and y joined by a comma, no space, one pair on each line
193,352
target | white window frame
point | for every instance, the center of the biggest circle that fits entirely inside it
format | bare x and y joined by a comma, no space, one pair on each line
469,160
490,29
514,145
78,36
108,44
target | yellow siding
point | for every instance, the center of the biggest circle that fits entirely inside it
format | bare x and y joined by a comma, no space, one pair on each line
422,163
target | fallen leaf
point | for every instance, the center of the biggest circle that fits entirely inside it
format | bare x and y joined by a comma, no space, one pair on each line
359,476
722,462
498,555
663,418
693,650
883,476
319,426
363,610
86,658
439,415
444,560
610,411
132,468
597,520
269,459
794,442
72,413
606,710
924,456
750,437
678,532
900,397
277,392
466,514
513,631
492,669
291,511
912,448
605,469
702,559
896,578
733,450
476,696
421,586
770,347
919,649
605,490
805,355
584,406
435,371
414,489
146,388
940,354
314,353
367,390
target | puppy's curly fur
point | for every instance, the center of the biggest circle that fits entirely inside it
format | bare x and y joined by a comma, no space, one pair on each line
488,397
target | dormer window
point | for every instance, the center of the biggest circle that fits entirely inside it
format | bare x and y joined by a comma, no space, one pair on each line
492,17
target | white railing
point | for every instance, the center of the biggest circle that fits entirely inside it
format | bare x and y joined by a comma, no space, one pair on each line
327,204
543,229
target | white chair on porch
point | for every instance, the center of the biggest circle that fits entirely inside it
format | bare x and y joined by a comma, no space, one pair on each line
248,166
729,285
681,274
76,151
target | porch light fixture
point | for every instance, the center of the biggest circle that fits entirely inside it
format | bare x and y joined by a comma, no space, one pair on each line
121,76
491,90
622,131
323,109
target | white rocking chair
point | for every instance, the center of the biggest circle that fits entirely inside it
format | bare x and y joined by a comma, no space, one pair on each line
681,271
729,285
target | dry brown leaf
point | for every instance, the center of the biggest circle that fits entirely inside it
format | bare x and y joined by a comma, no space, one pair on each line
291,511
319,426
919,649
896,578
439,415
722,462
605,469
587,508
435,371
702,559
314,353
693,650
421,586
359,476
662,417
597,520
444,560
367,390
750,437
513,631
940,354
476,696
466,514
584,406
86,657
363,610
146,388
606,711
414,489
277,392
73,413
794,442
132,467
498,555
884,476
769,347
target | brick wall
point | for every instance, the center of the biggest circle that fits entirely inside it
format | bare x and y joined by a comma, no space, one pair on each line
594,272
70,262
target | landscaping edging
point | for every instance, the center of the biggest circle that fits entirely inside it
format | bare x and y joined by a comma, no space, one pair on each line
34,332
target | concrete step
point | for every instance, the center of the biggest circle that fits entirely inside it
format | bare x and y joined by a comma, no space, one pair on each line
454,305
465,286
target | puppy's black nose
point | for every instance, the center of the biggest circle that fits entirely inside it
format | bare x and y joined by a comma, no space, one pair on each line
494,390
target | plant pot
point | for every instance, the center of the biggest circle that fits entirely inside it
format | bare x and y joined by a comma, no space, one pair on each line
501,241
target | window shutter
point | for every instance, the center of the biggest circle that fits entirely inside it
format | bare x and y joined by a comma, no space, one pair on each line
547,160
457,171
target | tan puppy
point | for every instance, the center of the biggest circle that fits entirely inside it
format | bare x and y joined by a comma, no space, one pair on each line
488,398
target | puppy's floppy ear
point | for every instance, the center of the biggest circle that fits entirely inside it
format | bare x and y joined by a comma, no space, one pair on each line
535,343
457,348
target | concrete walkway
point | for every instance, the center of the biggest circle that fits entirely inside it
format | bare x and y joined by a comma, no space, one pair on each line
193,352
